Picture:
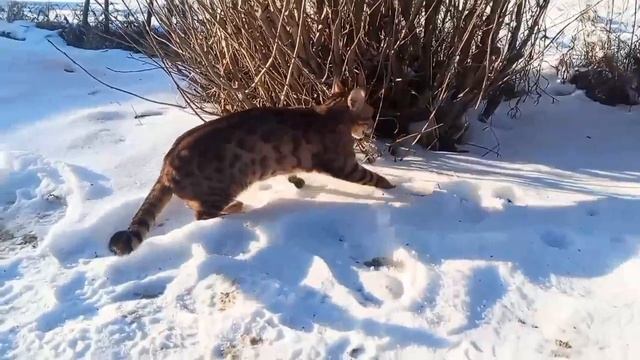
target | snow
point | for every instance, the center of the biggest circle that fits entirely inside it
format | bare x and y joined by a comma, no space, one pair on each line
534,254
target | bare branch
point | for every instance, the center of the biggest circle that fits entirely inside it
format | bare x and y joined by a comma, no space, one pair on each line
111,86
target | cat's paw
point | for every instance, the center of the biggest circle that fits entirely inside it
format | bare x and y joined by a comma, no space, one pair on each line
123,243
383,183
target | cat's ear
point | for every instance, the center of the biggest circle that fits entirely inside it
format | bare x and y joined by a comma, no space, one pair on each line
338,87
356,99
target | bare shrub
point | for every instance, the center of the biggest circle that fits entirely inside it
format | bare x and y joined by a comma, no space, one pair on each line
36,12
104,25
603,59
15,11
608,87
420,60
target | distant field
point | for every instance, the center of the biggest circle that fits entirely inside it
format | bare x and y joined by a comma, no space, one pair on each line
59,10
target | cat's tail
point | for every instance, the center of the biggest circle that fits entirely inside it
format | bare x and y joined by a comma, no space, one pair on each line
125,241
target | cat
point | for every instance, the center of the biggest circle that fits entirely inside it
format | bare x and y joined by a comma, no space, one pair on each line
209,165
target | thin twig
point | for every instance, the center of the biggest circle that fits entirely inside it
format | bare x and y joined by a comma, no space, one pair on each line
419,133
295,53
111,86
489,150
633,33
131,71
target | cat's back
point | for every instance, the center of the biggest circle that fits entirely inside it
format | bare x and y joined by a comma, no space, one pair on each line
245,128
243,147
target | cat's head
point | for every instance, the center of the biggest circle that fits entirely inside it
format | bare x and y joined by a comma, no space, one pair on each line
361,113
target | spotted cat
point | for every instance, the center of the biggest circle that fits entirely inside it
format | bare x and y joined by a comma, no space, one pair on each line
209,165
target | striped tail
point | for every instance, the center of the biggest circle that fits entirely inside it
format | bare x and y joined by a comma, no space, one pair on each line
124,242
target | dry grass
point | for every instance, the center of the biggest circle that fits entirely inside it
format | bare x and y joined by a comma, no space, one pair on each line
604,55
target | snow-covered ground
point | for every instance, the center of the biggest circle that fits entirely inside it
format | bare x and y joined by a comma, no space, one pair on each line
531,255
